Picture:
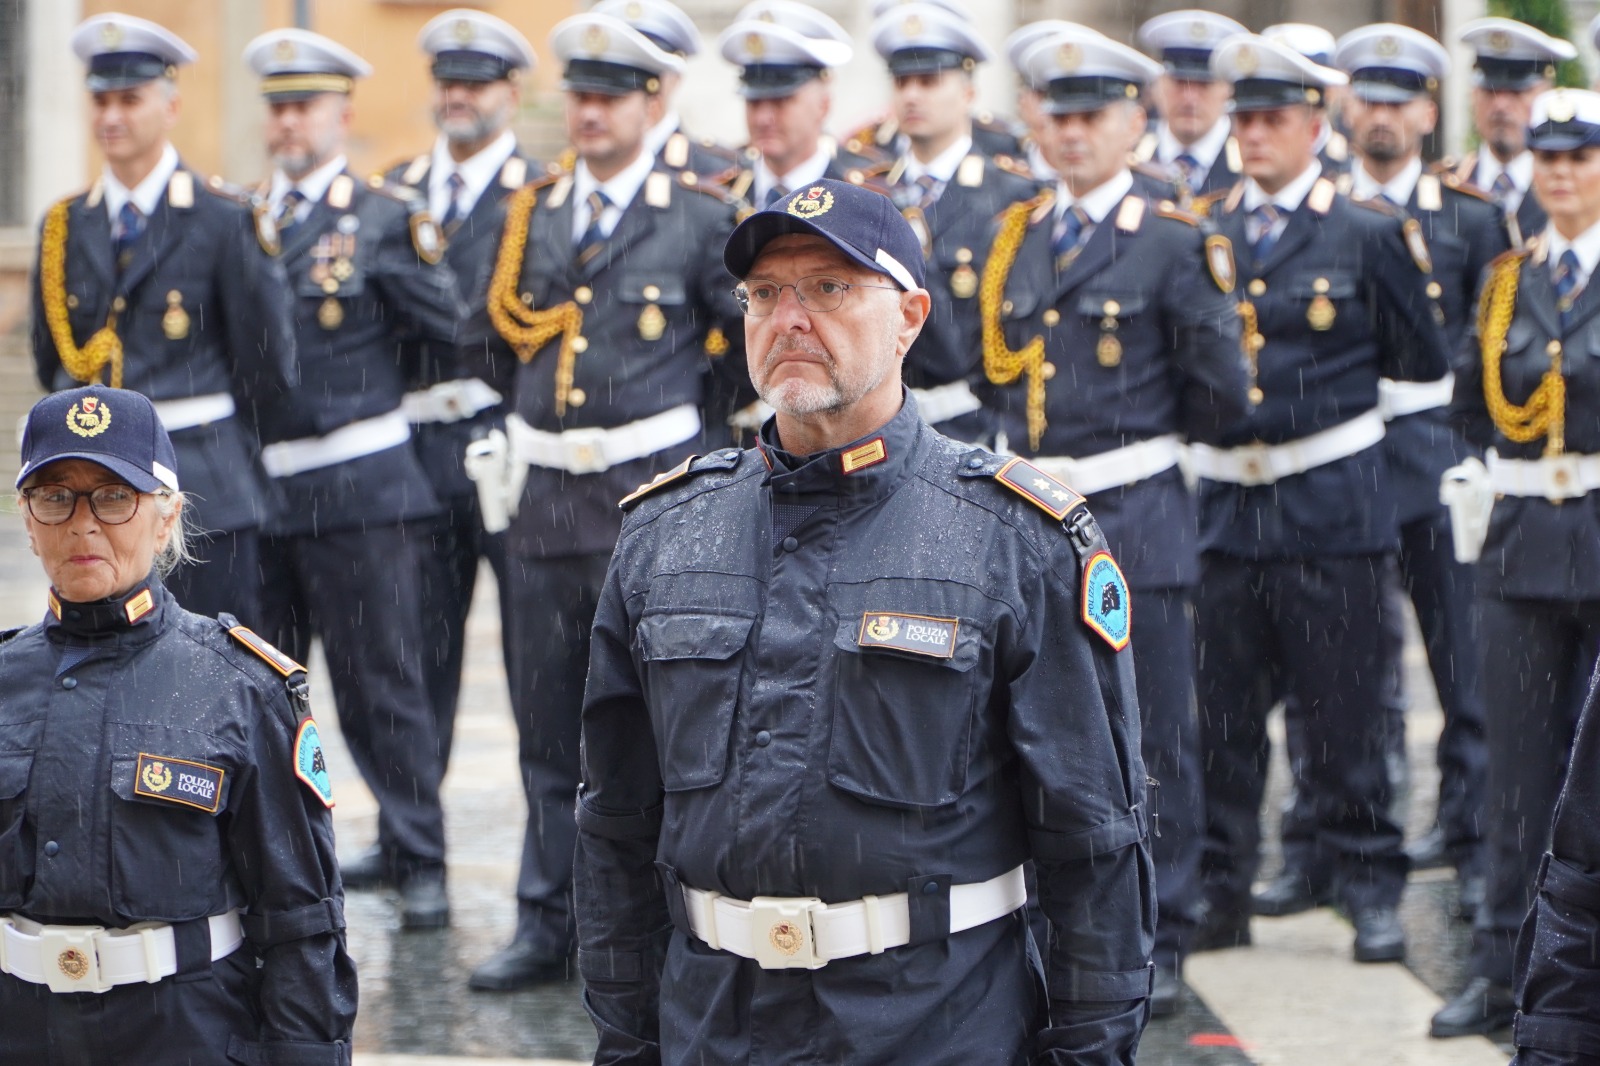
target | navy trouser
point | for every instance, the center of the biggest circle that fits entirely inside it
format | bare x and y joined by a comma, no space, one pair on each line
225,576
1305,630
551,604
1538,656
358,591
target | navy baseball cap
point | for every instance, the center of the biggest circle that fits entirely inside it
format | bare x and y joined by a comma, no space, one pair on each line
113,427
863,224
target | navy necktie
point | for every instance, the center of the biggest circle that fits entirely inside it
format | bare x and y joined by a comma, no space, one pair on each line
130,226
776,193
452,212
1070,235
1566,282
598,201
289,210
929,191
1502,188
1264,220
1187,166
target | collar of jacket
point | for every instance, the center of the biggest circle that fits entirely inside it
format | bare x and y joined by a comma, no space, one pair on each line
141,607
864,470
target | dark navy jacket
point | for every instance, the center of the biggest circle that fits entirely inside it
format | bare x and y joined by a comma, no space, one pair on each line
1537,549
1140,282
200,253
358,362
664,258
739,734
473,242
1353,257
1530,216
173,686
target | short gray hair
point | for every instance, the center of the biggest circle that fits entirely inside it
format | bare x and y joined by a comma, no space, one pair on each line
180,545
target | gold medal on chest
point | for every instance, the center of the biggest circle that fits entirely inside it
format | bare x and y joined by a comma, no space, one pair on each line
964,282
1109,350
175,323
331,314
342,269
652,323
1321,313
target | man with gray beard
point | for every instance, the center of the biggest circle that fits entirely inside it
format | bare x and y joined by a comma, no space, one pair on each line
374,303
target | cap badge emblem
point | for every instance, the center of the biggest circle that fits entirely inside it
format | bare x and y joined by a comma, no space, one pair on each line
89,418
156,776
111,34
883,628
787,937
1388,47
462,30
1069,56
912,26
811,203
73,963
1500,41
1246,61
284,50
755,44
1561,108
595,40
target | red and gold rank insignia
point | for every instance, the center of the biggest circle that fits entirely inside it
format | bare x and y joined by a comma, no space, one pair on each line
1038,488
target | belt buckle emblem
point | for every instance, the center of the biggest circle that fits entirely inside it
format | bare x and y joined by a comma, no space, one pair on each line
1255,465
781,932
1562,478
71,963
586,451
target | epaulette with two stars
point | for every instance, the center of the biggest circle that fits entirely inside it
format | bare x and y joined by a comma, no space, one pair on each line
726,459
1055,498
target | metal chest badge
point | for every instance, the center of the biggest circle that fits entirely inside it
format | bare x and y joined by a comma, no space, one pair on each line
1108,352
964,280
310,765
175,322
1321,313
1106,605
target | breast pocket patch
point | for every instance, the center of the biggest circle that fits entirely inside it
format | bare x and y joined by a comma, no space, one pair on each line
914,633
180,781
1106,606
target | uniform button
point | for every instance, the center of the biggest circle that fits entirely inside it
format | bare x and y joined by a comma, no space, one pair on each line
930,888
1047,370
69,682
580,344
790,544
51,848
577,398
119,304
974,463
1257,287
74,615
763,738
583,294
1051,317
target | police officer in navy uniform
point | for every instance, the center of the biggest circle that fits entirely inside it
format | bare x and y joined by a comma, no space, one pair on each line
1557,973
168,890
1297,520
1527,394
1193,140
479,62
1394,73
951,193
606,293
843,686
155,280
1514,64
669,29
371,295
1127,301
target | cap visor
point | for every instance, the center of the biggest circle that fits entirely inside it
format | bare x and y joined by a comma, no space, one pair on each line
756,232
110,83
1081,105
1563,141
1375,92
142,480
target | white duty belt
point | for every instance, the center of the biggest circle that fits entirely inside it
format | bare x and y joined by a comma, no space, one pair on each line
448,401
1113,469
1397,399
1262,464
366,437
781,932
194,411
92,958
594,449
1554,477
944,402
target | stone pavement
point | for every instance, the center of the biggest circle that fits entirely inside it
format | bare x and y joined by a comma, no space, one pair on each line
1295,998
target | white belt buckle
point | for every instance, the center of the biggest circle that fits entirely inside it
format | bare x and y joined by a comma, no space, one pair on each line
585,450
1255,464
71,963
781,934
1562,477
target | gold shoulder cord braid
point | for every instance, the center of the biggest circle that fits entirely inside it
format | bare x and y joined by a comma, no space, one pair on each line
1545,413
86,363
1000,363
524,328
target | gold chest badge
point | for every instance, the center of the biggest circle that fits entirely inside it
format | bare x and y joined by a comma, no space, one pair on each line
964,279
1108,352
331,314
1321,314
652,323
175,322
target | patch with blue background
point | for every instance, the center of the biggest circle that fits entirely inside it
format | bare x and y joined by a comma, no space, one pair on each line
1106,605
310,764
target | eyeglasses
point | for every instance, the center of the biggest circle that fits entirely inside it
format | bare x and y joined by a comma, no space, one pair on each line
816,293
54,504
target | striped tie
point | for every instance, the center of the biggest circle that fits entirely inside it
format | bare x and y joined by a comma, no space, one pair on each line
1566,283
452,212
1070,235
129,227
1263,221
598,202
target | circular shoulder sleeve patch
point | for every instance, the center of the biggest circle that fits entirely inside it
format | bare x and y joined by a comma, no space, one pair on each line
1106,606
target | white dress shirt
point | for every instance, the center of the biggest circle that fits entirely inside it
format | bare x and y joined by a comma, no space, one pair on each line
1288,199
1586,246
146,196
477,171
620,189
314,186
807,173
1398,189
1205,151
1520,170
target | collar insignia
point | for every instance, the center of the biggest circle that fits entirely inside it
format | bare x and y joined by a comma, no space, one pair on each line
859,458
139,606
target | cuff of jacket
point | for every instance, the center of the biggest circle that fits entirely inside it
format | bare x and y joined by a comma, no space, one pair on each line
287,1053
